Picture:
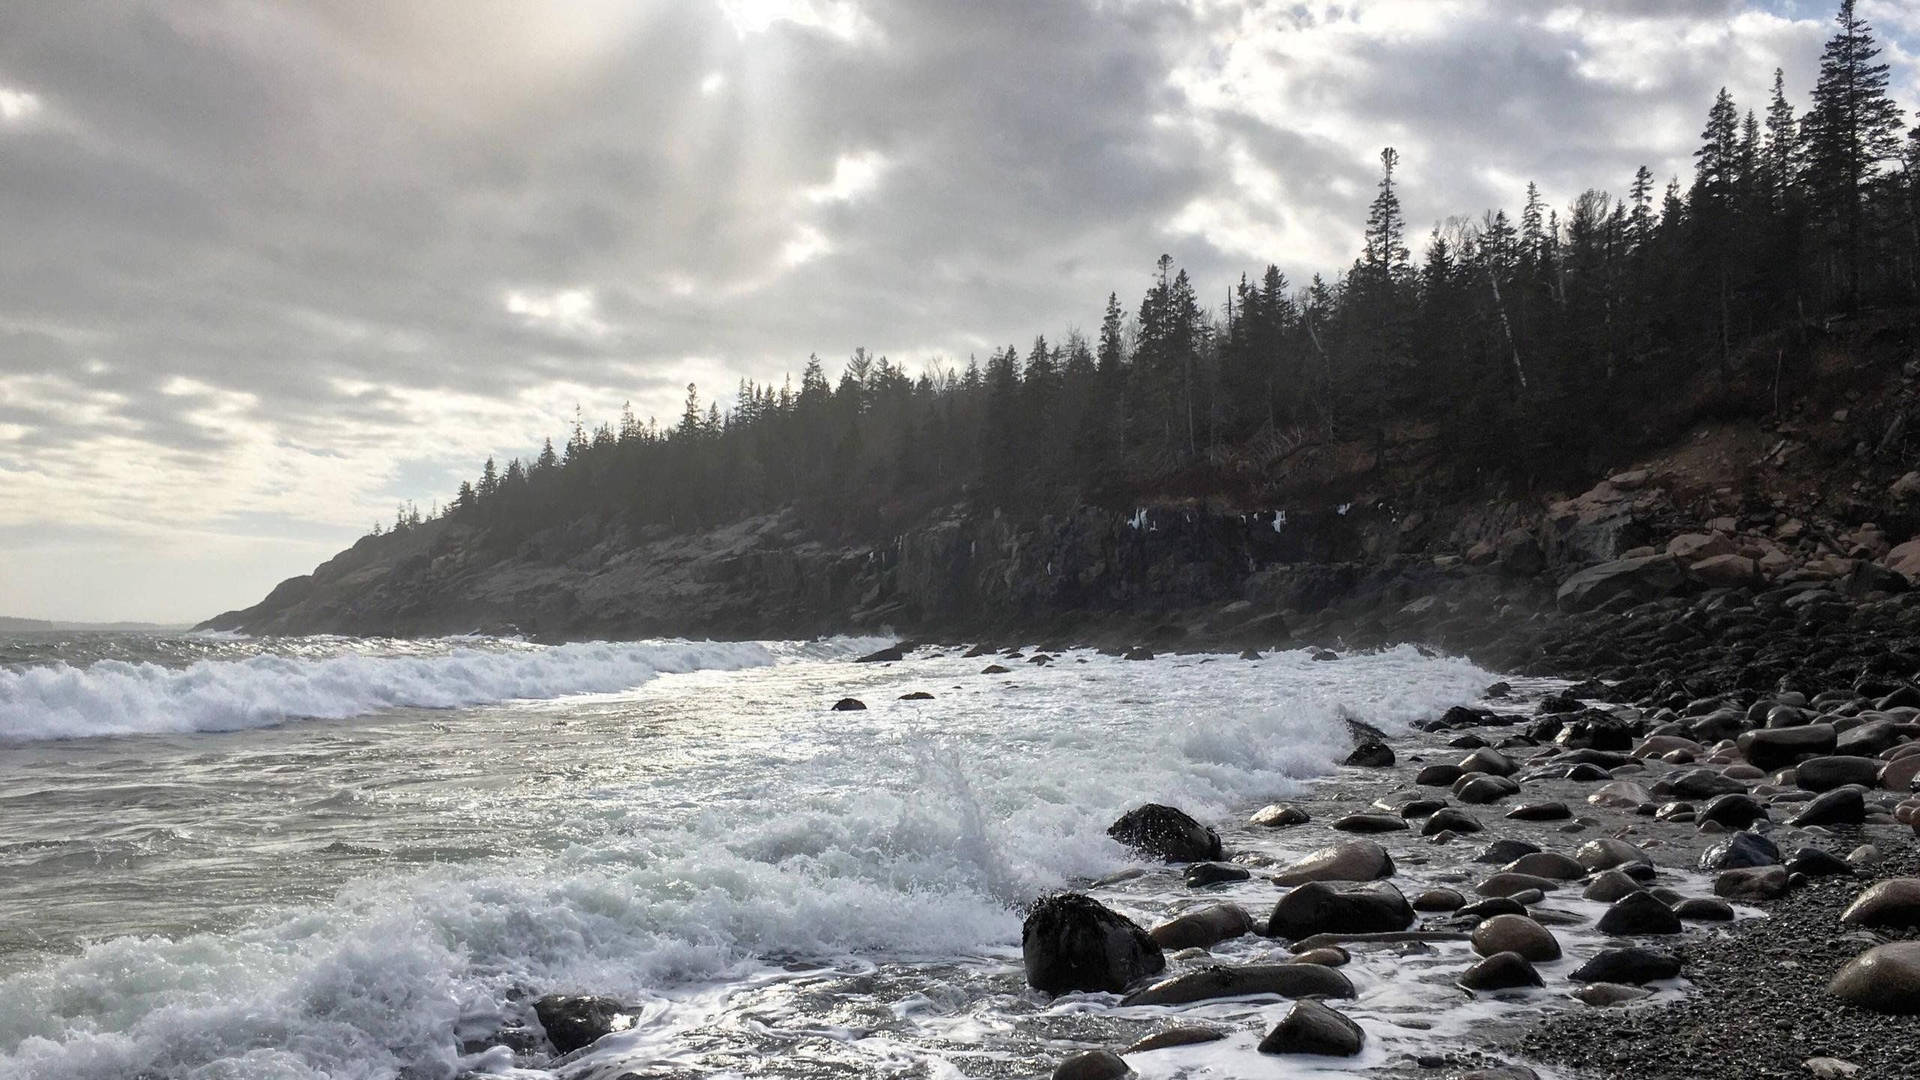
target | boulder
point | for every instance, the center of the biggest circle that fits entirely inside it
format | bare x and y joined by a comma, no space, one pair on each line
1546,864
1279,816
1541,811
1610,885
1370,823
1439,900
1484,788
1817,862
1833,771
1729,571
1842,806
1438,775
1312,1028
1488,760
1172,1037
1515,934
847,704
1355,860
1167,833
1639,913
1692,547
1203,929
882,656
1893,904
1319,908
1073,942
1904,560
1752,884
1602,995
1448,819
1501,971
1884,979
1201,875
1742,849
1634,966
1247,980
1607,853
1372,754
1638,580
573,1021
1704,909
1506,884
1777,748
1735,811
1620,795
1093,1065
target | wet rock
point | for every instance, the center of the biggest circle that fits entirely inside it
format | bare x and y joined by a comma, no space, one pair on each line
1501,971
1777,748
1438,775
1093,1065
1752,884
1546,864
1635,966
994,669
1885,979
917,695
1355,860
1439,900
1371,755
1607,853
847,704
1249,980
1370,823
1515,934
1505,851
1541,811
1830,1068
1172,1037
1818,862
1166,833
1603,995
1325,956
1508,884
1620,795
1203,929
1701,784
1639,913
1484,788
1318,908
888,654
1448,819
1841,806
1740,850
1704,909
1489,761
1279,816
1201,875
1312,1028
1890,904
1072,942
1610,885
573,1021
1834,771
1735,811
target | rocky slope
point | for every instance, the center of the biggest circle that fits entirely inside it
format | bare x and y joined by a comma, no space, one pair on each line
1753,493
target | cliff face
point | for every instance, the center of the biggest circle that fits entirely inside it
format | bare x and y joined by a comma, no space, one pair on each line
1374,541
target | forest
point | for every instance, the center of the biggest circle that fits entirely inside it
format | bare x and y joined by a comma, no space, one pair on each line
1532,345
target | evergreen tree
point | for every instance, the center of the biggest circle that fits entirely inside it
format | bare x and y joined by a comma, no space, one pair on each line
1853,127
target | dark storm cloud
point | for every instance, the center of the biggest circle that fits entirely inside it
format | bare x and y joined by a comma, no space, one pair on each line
268,263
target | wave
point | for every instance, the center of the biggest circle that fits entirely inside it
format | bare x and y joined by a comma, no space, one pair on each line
112,697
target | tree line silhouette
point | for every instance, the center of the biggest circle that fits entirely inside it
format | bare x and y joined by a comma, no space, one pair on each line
1529,349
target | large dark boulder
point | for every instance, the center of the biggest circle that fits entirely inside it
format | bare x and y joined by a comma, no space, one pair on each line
1633,966
1837,771
1639,580
573,1021
1841,806
1355,860
1203,929
1319,908
1167,833
1072,942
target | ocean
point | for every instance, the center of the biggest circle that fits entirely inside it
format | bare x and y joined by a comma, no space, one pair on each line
226,858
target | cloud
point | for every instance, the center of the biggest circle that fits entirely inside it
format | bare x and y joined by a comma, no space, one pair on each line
271,267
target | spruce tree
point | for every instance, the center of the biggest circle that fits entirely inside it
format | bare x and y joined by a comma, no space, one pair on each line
1853,127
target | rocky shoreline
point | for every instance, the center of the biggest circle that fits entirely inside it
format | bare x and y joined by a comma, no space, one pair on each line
1650,822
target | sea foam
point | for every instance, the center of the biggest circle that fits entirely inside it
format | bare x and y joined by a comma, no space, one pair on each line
111,697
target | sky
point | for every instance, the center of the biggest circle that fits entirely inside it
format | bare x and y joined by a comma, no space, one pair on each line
268,268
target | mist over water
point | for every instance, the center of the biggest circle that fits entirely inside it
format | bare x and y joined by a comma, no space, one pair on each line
362,894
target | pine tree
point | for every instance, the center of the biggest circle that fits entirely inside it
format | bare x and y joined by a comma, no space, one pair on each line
1781,155
1852,128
